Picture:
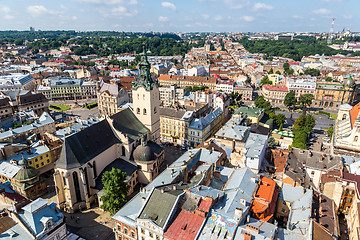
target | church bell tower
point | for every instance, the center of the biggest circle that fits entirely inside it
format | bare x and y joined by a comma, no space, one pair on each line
146,99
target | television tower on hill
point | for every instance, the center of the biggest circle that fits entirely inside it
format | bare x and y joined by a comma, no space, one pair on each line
331,31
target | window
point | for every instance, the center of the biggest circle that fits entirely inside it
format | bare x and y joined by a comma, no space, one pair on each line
48,161
150,234
138,110
143,96
42,163
125,230
283,210
144,111
284,203
142,231
37,165
356,138
154,110
123,151
36,159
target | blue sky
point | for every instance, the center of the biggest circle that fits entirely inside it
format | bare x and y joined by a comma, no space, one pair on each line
180,15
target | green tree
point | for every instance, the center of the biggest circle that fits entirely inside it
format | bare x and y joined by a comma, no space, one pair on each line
290,100
265,80
115,189
286,66
278,72
328,79
280,119
271,71
271,142
19,42
302,129
305,100
312,72
330,131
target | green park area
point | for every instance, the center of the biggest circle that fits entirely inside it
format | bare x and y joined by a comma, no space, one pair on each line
90,105
59,107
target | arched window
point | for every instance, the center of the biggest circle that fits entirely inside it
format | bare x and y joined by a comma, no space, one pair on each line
123,151
77,187
138,110
356,138
344,117
154,110
144,111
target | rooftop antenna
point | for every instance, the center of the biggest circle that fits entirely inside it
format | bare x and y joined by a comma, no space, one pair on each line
331,31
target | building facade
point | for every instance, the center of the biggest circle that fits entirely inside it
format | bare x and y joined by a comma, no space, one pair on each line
111,98
274,94
169,95
332,95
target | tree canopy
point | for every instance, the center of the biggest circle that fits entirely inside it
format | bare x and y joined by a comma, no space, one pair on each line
265,80
312,72
290,99
302,129
295,49
260,102
305,100
115,189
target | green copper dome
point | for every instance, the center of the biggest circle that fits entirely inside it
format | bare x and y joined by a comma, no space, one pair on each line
26,173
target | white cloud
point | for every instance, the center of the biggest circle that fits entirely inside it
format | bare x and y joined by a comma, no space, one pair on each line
248,18
218,18
123,11
168,5
205,16
133,2
297,17
262,6
5,9
236,4
322,11
74,18
348,16
9,17
108,2
163,19
38,10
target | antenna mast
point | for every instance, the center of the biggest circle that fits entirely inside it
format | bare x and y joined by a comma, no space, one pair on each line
331,32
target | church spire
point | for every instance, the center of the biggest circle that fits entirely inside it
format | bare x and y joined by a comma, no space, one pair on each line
145,80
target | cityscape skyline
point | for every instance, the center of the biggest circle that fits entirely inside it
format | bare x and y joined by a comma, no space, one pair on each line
181,16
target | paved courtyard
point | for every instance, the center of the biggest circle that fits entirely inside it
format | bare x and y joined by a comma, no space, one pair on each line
91,224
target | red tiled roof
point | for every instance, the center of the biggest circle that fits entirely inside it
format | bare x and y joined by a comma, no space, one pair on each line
205,205
354,113
265,198
185,226
188,78
16,197
279,159
275,88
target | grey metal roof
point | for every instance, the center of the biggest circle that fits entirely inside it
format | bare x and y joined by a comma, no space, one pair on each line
267,231
83,146
235,132
44,120
255,144
158,207
8,169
